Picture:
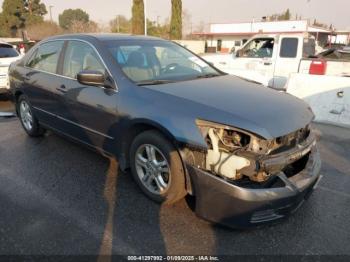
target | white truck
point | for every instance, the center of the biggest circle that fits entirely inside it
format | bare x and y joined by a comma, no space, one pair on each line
267,59
288,62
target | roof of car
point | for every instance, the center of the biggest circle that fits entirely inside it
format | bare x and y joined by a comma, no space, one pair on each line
5,43
106,36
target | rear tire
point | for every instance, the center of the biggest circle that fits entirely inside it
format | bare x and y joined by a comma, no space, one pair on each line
157,168
29,122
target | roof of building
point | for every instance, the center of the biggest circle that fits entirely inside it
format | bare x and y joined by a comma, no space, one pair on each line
265,27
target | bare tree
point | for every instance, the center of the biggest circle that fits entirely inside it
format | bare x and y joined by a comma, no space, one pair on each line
187,26
42,30
78,26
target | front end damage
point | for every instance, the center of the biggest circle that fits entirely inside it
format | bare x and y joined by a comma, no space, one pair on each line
243,180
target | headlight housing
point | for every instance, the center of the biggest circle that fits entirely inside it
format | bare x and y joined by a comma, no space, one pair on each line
230,137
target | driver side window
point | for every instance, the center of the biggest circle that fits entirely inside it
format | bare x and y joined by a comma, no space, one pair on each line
258,48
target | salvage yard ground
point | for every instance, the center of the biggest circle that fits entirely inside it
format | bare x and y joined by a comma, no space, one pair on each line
59,198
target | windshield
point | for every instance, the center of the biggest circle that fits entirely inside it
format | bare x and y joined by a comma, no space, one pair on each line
154,62
7,51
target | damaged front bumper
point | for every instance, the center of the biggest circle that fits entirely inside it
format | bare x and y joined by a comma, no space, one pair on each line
223,202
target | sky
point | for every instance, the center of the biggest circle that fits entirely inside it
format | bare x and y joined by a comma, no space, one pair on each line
334,12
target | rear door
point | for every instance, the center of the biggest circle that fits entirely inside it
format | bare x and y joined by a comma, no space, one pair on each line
289,55
42,82
89,113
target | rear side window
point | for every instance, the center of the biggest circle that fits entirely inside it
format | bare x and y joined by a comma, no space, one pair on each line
289,48
309,47
7,51
46,57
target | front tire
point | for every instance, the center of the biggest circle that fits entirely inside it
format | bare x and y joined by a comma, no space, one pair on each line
28,120
157,168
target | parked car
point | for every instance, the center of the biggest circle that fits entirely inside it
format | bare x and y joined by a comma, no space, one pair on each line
247,154
8,54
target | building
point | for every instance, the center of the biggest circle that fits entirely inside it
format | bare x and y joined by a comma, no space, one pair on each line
340,37
223,37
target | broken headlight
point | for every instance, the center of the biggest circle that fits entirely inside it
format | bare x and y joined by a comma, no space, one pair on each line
224,143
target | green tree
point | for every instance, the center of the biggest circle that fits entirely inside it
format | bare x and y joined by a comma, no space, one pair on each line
287,15
138,17
281,17
35,11
17,14
158,30
70,15
176,19
120,24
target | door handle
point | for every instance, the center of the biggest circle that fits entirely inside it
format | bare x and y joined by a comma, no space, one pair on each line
62,89
267,63
340,94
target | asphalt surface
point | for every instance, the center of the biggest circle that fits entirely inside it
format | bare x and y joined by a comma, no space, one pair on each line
58,198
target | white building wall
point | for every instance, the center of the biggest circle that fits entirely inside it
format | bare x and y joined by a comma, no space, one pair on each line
256,27
227,41
339,39
196,46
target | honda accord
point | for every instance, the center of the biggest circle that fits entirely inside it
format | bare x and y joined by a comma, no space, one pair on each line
246,153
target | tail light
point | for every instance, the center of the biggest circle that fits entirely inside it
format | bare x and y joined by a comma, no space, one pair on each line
318,67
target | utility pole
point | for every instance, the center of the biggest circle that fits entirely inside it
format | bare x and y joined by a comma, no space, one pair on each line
50,10
145,10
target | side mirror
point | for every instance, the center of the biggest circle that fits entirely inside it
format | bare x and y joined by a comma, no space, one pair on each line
239,53
91,78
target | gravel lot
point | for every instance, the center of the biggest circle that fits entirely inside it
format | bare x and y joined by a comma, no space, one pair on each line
59,198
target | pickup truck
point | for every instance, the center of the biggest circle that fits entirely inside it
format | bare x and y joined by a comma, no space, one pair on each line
267,59
288,62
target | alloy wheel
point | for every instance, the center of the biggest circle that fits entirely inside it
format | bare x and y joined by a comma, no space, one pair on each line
26,115
152,169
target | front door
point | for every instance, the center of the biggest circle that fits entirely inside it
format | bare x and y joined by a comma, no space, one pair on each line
90,112
289,54
255,61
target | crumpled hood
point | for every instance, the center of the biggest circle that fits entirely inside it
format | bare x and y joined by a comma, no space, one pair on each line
234,101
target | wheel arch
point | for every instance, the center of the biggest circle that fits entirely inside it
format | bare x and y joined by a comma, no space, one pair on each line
140,126
16,96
